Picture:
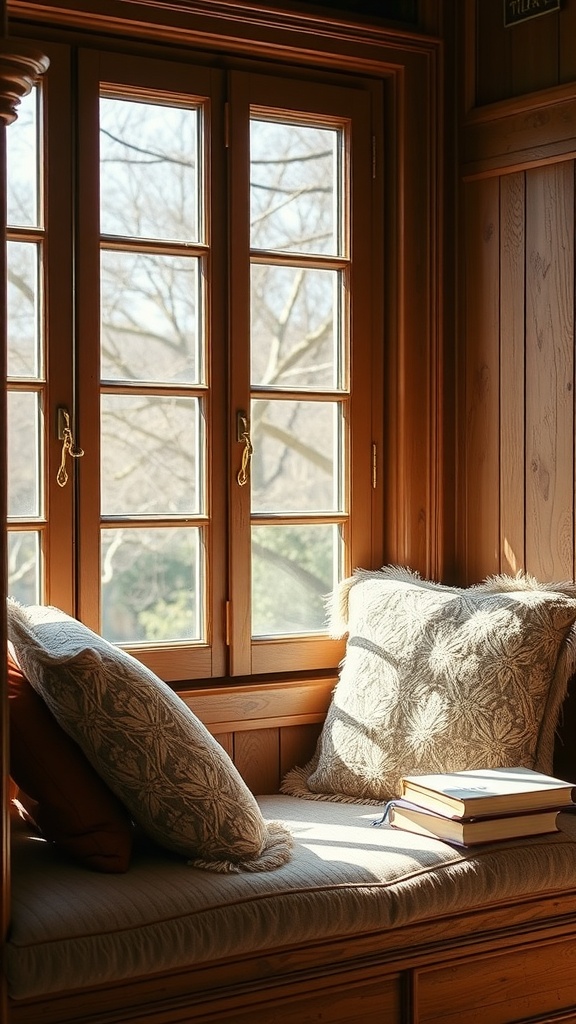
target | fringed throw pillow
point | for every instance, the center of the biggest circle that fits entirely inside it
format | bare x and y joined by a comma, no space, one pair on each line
438,678
176,780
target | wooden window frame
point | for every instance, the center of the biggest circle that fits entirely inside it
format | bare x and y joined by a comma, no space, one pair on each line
408,423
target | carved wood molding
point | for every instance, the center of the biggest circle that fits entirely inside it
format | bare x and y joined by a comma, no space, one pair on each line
212,21
20,68
513,135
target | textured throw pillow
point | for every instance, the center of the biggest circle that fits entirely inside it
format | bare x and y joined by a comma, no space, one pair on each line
176,780
62,794
439,678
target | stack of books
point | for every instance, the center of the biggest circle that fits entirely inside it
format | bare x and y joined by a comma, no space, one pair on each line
480,806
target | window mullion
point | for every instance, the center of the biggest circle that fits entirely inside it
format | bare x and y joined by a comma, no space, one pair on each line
239,345
58,286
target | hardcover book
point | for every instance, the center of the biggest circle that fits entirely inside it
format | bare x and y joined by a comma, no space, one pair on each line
469,831
487,792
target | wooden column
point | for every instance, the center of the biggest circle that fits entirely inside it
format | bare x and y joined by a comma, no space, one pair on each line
20,67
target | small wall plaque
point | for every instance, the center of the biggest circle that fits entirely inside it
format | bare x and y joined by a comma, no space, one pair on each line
522,10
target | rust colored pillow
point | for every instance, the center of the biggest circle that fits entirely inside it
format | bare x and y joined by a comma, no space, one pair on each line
61,791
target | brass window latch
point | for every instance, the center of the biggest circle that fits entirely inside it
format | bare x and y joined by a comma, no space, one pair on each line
243,435
69,447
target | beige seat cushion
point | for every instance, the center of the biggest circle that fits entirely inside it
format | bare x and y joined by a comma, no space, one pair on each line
72,928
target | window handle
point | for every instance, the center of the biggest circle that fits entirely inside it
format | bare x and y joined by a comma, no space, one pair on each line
243,435
68,445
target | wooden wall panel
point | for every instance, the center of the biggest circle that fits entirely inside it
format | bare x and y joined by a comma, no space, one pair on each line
266,728
297,745
490,37
526,151
256,756
512,366
535,54
480,459
566,47
550,370
226,740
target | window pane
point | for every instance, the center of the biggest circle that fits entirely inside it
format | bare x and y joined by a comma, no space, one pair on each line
148,170
150,311
22,309
295,463
294,187
151,461
296,336
22,165
24,566
152,585
294,569
24,488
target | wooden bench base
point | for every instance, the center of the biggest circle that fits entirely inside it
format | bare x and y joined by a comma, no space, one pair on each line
500,965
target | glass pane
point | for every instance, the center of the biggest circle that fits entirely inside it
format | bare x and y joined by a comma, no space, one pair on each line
149,170
294,569
294,188
22,309
24,476
152,585
22,165
296,337
296,466
24,566
151,462
150,310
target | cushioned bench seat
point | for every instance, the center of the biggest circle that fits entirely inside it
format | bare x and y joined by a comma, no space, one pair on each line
73,928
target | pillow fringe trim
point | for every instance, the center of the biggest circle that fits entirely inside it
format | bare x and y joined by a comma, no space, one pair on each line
337,602
295,783
276,852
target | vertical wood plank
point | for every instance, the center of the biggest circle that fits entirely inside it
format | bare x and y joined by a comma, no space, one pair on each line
226,740
534,56
550,370
297,745
482,432
566,48
493,53
257,758
512,445
412,365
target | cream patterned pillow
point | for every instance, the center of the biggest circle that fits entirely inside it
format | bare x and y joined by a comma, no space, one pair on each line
173,776
439,678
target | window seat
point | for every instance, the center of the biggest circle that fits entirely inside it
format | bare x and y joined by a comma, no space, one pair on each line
359,925
371,908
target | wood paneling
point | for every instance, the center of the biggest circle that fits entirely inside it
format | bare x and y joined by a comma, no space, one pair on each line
549,370
257,758
265,728
516,499
481,398
226,740
297,745
490,37
370,1002
512,364
261,705
534,54
522,58
530,131
524,986
566,48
